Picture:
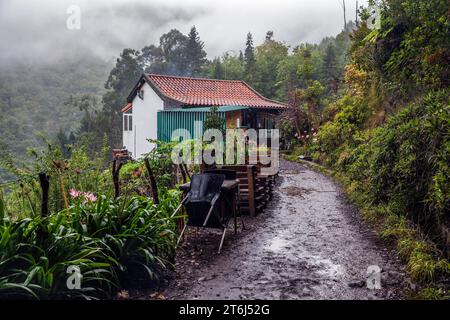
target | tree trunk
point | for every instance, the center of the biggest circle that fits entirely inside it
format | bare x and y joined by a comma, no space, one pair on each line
153,185
45,186
115,175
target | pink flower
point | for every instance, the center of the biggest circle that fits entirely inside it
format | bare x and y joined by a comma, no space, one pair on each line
90,197
74,193
87,196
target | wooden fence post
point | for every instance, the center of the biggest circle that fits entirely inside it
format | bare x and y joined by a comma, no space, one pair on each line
251,190
153,184
45,186
186,171
115,175
183,173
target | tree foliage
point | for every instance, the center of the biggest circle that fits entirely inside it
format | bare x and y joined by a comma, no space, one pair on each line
386,127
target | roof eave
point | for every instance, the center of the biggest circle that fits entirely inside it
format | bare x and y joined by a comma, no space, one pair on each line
133,92
146,78
158,91
127,107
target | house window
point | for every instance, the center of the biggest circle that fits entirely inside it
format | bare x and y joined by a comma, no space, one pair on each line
127,122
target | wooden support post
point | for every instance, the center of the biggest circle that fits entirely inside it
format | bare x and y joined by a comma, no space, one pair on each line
153,184
115,175
45,186
251,190
181,222
183,173
63,190
186,171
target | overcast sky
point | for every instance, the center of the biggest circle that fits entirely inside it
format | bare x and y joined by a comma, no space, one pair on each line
37,29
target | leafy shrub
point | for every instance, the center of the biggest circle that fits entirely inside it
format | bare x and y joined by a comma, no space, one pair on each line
398,174
407,162
400,170
103,238
344,128
161,162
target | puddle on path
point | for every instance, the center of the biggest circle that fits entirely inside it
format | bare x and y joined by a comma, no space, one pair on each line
330,269
277,244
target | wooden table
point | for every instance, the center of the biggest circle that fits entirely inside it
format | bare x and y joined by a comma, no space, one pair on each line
229,189
227,186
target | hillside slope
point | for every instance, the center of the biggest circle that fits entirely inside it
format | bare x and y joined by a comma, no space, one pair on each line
34,98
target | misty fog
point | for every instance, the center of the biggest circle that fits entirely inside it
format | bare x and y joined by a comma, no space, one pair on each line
36,31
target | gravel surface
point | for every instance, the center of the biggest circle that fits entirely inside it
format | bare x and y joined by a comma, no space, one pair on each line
309,243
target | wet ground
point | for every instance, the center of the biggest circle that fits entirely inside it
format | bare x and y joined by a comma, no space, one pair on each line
309,243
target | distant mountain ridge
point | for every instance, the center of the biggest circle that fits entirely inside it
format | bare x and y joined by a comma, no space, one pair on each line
33,98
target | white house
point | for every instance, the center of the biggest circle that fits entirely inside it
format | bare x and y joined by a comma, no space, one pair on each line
158,104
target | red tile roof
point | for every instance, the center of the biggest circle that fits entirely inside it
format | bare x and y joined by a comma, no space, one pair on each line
127,107
210,92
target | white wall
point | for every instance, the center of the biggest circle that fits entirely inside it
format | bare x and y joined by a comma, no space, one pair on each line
144,122
128,138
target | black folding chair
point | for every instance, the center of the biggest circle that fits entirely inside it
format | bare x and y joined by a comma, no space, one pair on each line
230,175
202,205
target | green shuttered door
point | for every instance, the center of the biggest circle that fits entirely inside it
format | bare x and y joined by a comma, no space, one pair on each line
171,120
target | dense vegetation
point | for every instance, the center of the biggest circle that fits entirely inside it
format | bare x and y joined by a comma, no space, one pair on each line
113,241
37,98
372,104
386,131
104,238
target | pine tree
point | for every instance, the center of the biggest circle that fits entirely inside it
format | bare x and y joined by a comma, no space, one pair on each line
249,54
195,55
329,67
250,61
241,56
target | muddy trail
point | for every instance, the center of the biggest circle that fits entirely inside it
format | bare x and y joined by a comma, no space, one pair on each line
309,243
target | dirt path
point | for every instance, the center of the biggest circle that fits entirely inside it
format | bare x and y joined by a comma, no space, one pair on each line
308,244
